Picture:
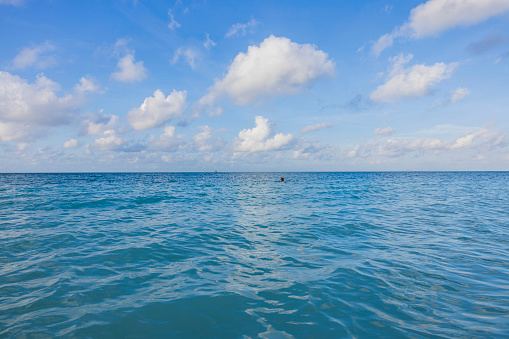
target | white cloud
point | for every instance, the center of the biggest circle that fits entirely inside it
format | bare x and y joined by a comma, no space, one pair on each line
167,141
415,81
111,141
259,138
72,143
314,151
208,43
172,24
354,152
435,16
204,141
242,29
385,41
316,127
99,123
87,84
480,141
277,66
34,56
384,131
13,131
129,71
37,103
188,54
459,94
157,110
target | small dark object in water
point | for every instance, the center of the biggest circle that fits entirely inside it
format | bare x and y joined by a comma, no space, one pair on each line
282,179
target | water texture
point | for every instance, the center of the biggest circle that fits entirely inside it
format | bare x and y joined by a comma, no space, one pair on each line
242,255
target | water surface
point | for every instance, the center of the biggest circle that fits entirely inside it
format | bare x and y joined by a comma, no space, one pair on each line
242,255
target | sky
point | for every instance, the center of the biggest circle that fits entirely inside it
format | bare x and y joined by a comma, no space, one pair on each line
206,85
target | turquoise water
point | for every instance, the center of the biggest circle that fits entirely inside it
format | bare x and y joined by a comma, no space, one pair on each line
242,255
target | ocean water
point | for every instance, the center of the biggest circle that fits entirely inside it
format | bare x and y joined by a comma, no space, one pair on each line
242,255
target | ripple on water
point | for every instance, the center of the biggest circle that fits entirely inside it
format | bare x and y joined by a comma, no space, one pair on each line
229,255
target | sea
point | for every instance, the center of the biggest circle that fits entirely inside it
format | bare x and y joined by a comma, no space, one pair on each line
245,255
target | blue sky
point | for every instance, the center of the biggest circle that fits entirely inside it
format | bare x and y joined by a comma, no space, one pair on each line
253,85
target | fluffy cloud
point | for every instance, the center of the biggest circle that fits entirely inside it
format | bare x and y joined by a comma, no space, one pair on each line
459,94
37,103
436,16
316,127
414,81
157,110
277,66
204,141
167,141
259,138
129,71
97,124
111,141
34,56
87,84
72,143
188,54
242,29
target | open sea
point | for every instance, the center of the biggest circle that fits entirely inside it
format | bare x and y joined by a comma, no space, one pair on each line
243,255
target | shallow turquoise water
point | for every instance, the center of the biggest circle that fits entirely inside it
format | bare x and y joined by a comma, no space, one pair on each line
242,255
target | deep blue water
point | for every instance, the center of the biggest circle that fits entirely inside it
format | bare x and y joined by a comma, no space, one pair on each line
242,255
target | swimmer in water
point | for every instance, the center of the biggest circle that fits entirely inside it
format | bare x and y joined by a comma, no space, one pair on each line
282,179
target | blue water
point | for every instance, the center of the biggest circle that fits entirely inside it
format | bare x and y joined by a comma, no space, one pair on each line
242,255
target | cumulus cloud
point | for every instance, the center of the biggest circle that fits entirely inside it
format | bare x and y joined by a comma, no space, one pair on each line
188,54
167,141
277,66
435,16
37,103
459,94
72,143
172,24
34,56
128,70
315,127
260,138
157,110
111,141
87,84
414,81
242,29
384,131
204,141
97,124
